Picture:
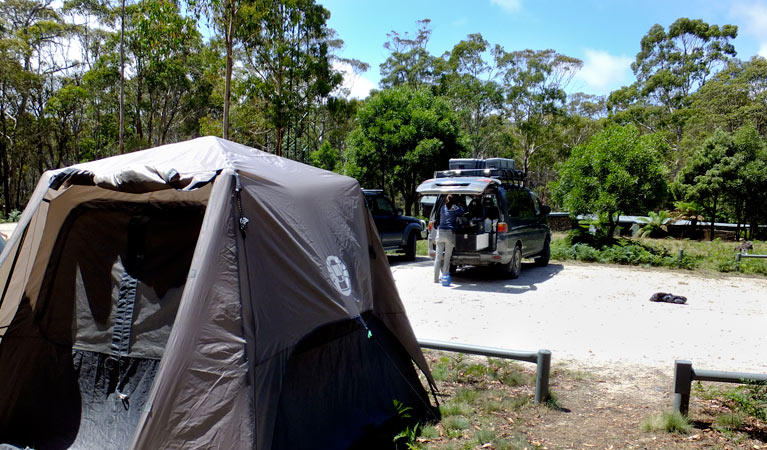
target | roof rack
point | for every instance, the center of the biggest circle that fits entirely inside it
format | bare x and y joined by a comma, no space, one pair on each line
505,176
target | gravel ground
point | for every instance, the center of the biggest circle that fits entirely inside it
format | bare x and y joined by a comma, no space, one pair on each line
595,316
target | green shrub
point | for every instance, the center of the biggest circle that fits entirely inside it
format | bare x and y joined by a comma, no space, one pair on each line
584,252
627,252
750,399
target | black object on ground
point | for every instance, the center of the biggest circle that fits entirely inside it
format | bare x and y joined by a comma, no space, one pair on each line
668,298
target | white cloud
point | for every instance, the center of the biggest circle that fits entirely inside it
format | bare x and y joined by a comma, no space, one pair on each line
354,85
508,5
753,16
603,72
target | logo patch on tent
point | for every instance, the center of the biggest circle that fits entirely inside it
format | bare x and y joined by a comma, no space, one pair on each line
339,274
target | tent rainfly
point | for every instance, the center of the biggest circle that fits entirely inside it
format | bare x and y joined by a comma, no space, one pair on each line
202,295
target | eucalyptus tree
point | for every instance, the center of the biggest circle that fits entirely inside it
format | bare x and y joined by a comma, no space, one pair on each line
287,57
534,83
225,17
734,97
409,62
670,67
32,37
470,79
167,52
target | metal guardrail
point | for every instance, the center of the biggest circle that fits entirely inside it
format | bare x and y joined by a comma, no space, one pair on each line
739,256
542,358
684,375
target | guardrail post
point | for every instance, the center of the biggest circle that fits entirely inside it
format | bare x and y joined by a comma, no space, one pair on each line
681,255
737,262
682,385
542,376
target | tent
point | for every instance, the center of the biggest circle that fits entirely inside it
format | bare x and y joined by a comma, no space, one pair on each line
202,294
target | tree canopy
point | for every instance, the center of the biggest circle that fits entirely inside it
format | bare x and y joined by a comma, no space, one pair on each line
402,135
617,172
268,73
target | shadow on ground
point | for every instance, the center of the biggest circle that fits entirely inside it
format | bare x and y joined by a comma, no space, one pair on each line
488,279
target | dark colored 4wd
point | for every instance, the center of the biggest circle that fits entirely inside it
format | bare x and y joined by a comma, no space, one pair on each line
504,221
397,232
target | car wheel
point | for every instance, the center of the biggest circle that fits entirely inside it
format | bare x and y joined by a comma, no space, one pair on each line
543,258
410,247
514,267
453,269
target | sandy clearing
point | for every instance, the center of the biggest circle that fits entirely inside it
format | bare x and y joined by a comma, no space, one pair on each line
595,315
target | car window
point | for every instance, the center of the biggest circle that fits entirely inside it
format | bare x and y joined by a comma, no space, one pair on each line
383,206
519,203
537,203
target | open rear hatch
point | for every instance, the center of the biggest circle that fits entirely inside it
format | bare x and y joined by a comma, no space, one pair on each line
476,229
462,185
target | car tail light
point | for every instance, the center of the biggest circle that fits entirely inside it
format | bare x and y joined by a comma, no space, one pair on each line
431,225
502,227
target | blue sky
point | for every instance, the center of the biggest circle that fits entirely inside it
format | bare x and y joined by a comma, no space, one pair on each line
604,34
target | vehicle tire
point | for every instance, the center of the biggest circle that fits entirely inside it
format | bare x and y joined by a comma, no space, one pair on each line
542,260
410,247
514,267
453,269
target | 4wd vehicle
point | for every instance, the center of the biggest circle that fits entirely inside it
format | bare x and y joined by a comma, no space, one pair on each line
504,221
397,232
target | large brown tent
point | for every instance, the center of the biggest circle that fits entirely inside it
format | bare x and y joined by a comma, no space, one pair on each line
201,295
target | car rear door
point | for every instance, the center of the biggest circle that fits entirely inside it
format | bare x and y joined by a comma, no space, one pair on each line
523,220
385,217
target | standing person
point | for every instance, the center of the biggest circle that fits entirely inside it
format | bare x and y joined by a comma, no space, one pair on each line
445,239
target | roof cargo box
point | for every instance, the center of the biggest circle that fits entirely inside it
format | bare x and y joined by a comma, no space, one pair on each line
499,163
466,163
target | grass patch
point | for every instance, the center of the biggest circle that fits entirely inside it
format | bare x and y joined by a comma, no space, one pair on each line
482,437
466,395
480,406
456,408
430,432
515,403
455,423
422,247
492,406
515,443
729,422
668,421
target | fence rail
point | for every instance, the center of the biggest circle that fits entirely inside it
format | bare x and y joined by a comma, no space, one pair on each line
684,375
542,358
740,256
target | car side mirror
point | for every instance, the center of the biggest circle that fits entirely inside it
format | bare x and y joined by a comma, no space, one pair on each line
545,210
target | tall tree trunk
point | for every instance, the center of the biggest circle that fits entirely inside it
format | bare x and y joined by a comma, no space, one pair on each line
228,76
139,98
280,131
122,77
4,169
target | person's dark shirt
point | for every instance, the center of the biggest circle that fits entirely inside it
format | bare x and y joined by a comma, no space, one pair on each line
447,217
